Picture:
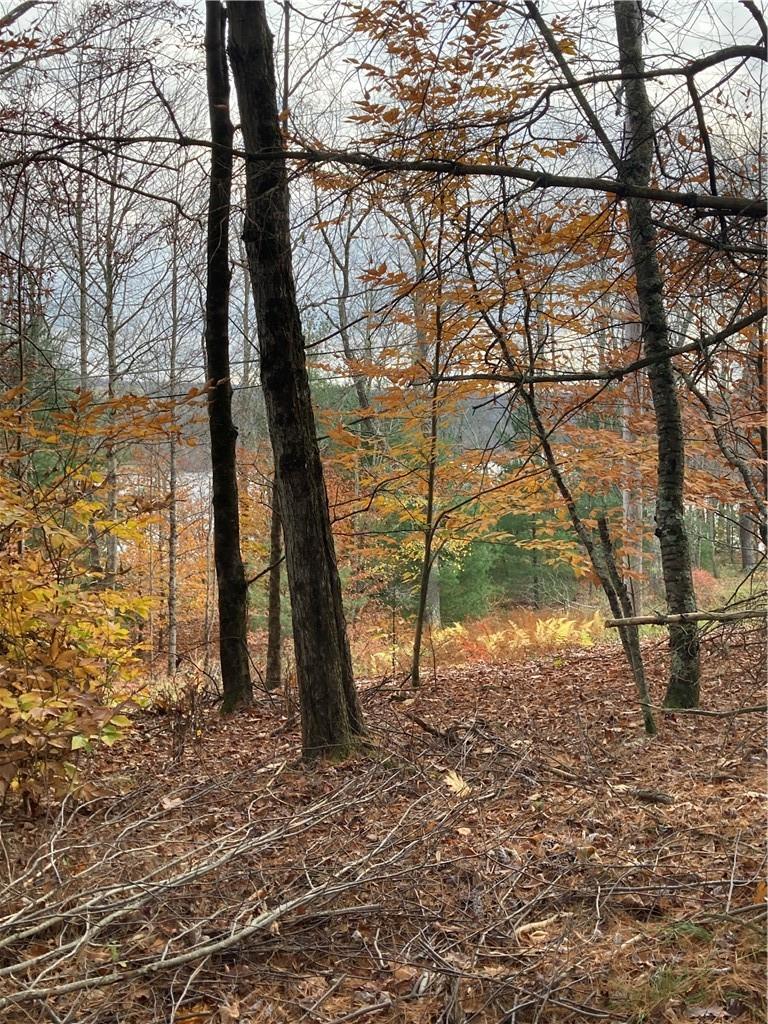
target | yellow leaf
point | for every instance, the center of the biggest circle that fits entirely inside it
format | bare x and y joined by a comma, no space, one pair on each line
455,783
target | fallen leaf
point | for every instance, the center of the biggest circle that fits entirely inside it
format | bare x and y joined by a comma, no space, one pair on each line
455,783
229,1012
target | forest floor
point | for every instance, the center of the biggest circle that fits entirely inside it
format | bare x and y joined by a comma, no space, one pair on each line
512,848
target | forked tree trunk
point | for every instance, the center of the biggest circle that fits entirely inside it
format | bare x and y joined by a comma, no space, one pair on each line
683,685
330,713
230,575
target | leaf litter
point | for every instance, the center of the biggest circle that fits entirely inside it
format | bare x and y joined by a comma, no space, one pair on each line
511,847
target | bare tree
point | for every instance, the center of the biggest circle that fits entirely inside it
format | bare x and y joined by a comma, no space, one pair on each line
683,684
330,712
230,575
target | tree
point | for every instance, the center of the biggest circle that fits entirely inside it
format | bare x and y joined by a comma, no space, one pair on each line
330,713
230,574
683,685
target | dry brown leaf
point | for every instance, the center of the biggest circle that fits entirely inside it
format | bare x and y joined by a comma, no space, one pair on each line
455,783
229,1011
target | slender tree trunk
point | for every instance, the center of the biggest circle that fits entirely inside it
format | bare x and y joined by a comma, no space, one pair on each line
760,362
428,557
82,268
94,555
330,713
603,562
431,436
747,540
111,332
433,611
632,492
429,603
207,609
151,577
82,279
683,685
230,575
535,581
712,517
173,524
274,627
429,581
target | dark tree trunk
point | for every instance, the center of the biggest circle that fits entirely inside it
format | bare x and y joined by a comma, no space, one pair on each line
683,685
274,626
230,575
330,713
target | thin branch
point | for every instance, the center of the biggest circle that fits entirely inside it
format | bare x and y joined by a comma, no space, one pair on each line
664,620
755,208
621,371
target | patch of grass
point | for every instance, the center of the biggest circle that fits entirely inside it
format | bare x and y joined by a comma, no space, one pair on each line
687,930
666,984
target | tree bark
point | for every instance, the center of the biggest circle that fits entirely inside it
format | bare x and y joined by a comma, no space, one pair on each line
230,575
273,674
330,713
683,684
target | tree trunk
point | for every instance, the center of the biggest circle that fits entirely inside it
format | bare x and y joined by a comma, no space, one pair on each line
429,581
683,685
274,628
330,713
747,540
712,518
632,491
230,575
433,612
110,324
601,556
82,279
763,429
173,524
428,558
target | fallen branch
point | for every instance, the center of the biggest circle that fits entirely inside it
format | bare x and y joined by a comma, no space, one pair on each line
755,710
663,620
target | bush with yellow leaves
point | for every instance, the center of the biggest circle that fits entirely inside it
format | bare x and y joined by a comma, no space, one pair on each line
67,651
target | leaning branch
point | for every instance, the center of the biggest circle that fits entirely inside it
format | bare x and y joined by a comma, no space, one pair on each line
619,372
757,208
756,709
664,620
735,205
